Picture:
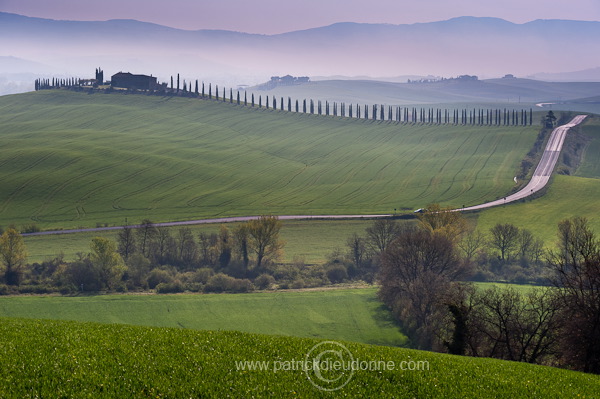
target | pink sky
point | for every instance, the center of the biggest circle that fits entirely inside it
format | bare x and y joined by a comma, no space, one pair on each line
277,16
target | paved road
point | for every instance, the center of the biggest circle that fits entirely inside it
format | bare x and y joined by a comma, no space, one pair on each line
538,181
544,170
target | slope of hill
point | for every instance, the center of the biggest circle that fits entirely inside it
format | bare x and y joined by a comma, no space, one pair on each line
458,46
509,92
74,159
345,314
69,359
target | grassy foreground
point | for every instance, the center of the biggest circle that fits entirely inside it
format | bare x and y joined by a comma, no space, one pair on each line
344,314
73,159
73,359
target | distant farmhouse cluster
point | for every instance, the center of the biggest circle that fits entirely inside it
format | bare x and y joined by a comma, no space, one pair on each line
121,80
127,82
286,80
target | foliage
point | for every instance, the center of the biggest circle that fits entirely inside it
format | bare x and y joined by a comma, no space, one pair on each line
445,221
14,255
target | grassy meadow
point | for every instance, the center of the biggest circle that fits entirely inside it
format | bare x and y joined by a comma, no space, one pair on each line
73,159
75,359
343,314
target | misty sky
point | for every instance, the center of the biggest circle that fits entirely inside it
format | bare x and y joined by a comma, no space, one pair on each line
277,16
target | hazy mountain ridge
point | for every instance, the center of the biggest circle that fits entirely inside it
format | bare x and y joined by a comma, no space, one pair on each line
464,45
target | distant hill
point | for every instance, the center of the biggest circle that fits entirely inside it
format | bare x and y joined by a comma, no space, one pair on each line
504,90
587,75
466,45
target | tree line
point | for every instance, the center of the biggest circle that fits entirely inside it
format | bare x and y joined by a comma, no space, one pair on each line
376,112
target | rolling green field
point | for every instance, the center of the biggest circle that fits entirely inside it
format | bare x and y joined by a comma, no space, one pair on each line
71,159
74,359
344,314
567,196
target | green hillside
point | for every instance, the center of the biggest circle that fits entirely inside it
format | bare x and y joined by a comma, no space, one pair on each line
566,197
71,359
72,160
344,314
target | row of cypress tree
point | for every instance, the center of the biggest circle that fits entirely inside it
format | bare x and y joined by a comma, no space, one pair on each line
436,116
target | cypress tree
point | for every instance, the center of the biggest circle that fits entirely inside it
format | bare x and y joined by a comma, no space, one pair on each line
224,98
230,95
245,98
196,88
297,109
290,104
267,102
177,83
530,116
350,110
217,92
252,100
202,89
304,106
259,101
238,98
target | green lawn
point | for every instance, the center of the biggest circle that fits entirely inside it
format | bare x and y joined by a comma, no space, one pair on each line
344,314
74,359
71,159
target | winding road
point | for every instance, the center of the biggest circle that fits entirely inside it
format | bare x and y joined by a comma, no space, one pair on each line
542,172
540,178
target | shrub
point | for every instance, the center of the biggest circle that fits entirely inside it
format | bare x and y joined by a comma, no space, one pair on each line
242,285
170,288
264,281
223,283
219,283
297,284
158,276
337,273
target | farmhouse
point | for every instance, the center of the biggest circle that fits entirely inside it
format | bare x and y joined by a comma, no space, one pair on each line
130,81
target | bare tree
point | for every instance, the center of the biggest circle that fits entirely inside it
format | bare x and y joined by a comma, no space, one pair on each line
263,238
512,326
417,270
126,242
472,243
504,237
576,266
525,242
382,233
357,249
145,234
